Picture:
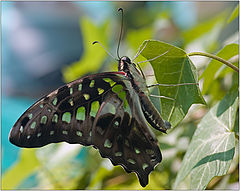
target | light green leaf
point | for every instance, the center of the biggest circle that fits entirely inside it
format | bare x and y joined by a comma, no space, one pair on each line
234,14
204,27
27,164
209,73
173,67
212,147
93,55
135,37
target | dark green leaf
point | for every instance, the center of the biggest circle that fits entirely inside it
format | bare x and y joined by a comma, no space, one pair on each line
174,67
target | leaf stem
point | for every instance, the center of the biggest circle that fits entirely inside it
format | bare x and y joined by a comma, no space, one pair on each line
214,57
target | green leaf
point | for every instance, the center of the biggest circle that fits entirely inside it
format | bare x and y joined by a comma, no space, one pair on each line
234,14
27,164
93,55
212,147
135,37
99,175
210,72
173,67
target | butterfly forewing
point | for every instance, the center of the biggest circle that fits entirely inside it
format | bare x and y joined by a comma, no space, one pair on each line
67,114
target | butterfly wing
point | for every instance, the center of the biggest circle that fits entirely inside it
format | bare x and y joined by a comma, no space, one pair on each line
101,110
121,133
66,114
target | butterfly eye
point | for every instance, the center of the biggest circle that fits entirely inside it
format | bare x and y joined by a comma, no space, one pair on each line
126,59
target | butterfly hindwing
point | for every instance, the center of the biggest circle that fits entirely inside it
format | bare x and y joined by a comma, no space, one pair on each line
121,134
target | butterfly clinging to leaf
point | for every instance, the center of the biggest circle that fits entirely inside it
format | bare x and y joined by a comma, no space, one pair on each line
110,111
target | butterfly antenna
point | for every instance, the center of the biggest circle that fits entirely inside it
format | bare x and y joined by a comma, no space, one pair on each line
120,36
104,49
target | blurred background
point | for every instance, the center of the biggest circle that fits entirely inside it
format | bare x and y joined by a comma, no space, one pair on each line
47,44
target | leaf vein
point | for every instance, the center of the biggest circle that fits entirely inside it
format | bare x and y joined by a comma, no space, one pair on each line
174,102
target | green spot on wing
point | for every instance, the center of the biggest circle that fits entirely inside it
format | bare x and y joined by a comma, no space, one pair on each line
55,101
107,143
30,116
100,91
80,113
33,125
117,88
144,166
86,96
66,117
64,132
118,154
110,81
21,129
92,84
71,91
55,118
94,108
70,101
122,95
79,133
137,151
80,87
116,123
131,161
43,120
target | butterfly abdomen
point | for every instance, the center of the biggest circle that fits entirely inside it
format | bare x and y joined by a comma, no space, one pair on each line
152,115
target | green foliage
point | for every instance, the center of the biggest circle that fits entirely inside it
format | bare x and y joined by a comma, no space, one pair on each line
212,147
94,55
135,37
215,68
173,67
199,151
25,166
204,27
234,14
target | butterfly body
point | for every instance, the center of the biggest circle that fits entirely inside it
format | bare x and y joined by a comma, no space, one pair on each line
110,111
139,85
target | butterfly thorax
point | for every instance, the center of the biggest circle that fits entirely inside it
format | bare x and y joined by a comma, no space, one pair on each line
133,74
139,85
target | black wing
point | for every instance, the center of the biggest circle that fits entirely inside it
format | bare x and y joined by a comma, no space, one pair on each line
66,114
121,133
101,110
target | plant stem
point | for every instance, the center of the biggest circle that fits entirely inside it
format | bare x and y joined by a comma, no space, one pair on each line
214,57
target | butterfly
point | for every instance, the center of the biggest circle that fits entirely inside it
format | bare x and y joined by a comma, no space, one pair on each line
110,111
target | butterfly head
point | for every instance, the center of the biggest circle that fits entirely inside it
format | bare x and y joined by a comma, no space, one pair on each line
123,64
